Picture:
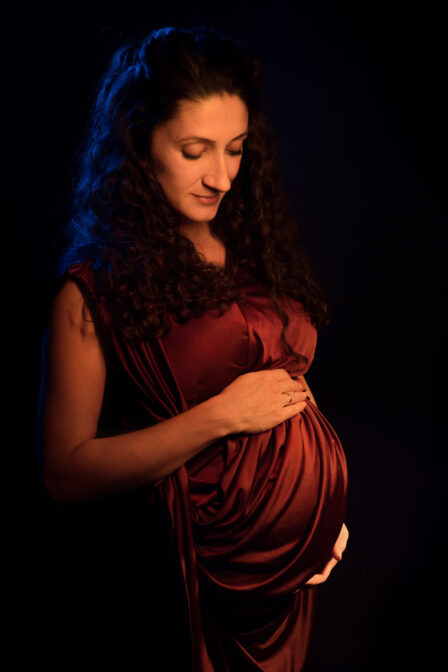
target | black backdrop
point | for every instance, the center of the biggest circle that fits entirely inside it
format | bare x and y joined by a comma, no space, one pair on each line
356,95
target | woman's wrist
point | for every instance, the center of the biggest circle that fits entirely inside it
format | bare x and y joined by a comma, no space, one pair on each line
219,423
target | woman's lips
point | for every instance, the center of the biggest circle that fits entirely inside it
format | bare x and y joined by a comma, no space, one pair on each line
207,200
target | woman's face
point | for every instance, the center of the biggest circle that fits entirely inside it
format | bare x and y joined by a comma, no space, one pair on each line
197,154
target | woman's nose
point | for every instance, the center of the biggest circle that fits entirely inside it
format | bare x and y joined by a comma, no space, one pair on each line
217,176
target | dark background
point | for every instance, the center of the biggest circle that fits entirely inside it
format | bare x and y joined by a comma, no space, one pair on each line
356,92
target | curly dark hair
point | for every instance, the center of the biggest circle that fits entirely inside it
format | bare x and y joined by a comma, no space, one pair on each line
146,269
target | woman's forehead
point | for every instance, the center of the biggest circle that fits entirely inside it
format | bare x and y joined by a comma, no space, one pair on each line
209,118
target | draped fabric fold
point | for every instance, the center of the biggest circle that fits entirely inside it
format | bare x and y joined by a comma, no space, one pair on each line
253,516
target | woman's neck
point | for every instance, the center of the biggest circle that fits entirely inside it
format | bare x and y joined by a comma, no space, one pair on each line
210,247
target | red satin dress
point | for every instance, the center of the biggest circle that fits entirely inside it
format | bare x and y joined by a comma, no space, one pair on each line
253,517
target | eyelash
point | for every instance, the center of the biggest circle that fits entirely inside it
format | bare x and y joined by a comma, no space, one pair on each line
192,156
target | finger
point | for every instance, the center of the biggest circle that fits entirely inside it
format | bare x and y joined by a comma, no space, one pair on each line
298,397
341,541
294,409
323,575
331,564
300,380
315,580
344,531
338,550
296,390
289,398
294,380
298,384
337,554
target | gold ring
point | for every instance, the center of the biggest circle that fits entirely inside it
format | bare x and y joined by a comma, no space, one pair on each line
290,397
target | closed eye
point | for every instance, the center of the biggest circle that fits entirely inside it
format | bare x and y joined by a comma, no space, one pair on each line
190,156
198,156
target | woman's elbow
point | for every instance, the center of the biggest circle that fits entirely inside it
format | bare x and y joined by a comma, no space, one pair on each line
55,486
60,479
59,483
69,480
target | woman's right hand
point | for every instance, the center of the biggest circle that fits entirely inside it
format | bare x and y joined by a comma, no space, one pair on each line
336,556
260,400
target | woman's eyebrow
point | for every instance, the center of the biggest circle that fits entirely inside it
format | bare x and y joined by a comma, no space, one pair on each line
211,142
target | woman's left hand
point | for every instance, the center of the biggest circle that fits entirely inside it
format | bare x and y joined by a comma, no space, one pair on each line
336,555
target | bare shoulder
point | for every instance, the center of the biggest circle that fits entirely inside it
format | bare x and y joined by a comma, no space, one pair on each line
74,356
72,341
70,311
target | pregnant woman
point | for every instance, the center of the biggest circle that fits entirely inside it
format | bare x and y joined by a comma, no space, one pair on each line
174,399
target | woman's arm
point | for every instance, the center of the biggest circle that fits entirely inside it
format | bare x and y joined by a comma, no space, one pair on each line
336,556
78,466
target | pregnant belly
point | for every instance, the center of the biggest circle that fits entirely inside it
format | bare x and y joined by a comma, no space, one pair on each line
267,508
